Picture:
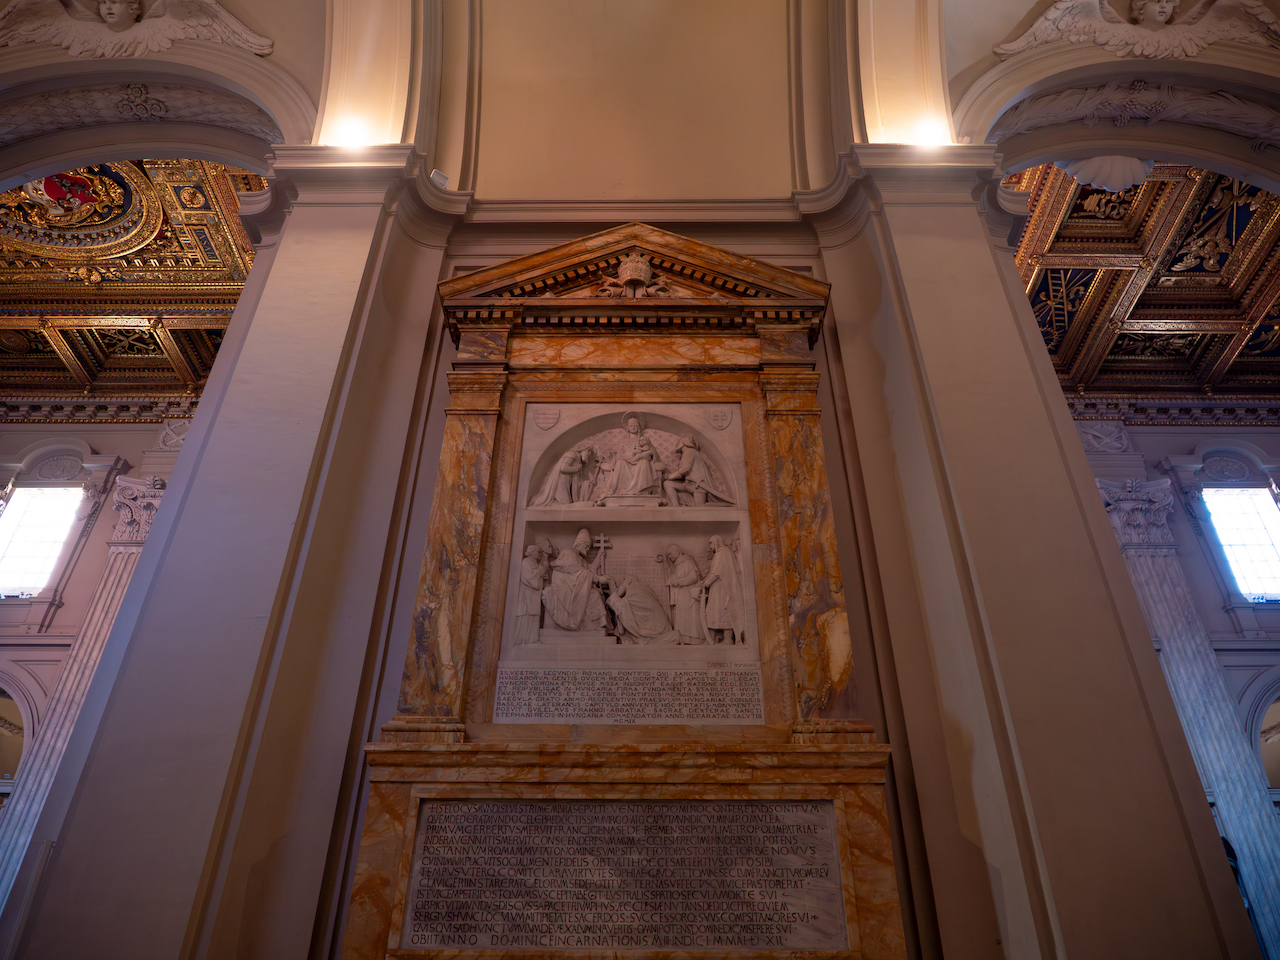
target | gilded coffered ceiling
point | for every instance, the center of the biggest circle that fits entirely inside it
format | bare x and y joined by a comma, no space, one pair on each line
1165,290
117,282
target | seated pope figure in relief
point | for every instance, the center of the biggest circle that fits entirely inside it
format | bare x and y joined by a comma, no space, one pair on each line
636,467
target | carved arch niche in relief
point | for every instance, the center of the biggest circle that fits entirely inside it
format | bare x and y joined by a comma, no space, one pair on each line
631,588
597,462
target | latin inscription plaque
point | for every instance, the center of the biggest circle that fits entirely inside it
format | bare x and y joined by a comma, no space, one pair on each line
576,695
625,875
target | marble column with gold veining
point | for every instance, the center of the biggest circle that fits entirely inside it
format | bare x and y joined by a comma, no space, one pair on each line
816,615
136,500
431,694
1139,512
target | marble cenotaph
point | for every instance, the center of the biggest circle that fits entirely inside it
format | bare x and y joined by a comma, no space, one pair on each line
615,734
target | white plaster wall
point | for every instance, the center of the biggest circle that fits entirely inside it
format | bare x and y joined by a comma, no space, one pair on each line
617,99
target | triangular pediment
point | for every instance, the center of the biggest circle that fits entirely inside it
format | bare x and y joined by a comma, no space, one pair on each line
632,274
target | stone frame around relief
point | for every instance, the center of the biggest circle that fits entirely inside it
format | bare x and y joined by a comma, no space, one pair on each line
740,392
725,674
857,842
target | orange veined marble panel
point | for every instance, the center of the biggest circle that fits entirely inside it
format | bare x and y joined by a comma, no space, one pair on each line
872,912
811,569
865,826
651,350
436,662
373,889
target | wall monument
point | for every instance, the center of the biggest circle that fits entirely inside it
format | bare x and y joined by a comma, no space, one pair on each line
614,730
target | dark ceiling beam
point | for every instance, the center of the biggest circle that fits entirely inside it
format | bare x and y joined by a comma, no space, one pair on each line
1260,294
66,354
173,353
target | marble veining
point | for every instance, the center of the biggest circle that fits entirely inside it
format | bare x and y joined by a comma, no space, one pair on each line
814,589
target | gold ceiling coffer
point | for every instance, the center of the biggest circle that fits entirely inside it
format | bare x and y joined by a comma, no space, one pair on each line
630,609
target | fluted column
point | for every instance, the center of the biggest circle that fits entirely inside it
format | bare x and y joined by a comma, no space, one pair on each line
1139,512
136,501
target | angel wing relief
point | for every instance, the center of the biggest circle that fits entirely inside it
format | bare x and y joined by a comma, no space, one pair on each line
1154,28
119,28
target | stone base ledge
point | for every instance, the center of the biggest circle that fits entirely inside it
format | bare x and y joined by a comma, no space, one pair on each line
622,763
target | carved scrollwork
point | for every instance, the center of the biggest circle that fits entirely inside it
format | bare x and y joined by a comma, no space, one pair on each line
1226,469
60,467
1139,511
1103,436
136,500
635,279
1122,101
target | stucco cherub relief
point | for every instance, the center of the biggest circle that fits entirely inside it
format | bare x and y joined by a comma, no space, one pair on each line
120,28
1154,28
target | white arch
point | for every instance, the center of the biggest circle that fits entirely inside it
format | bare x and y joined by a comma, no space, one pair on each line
1242,69
67,149
1267,692
16,689
1172,142
207,64
1056,65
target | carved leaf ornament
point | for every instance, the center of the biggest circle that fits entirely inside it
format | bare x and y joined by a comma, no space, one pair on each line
1151,30
1124,101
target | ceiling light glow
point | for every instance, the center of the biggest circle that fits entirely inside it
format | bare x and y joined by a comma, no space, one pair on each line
931,132
350,132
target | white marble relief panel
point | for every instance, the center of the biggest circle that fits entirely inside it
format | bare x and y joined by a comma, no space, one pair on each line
631,595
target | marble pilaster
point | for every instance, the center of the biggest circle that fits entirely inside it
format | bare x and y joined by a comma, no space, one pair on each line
436,662
816,615
1139,511
136,500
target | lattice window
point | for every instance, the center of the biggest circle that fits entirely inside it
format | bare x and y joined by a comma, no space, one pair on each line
1247,522
33,529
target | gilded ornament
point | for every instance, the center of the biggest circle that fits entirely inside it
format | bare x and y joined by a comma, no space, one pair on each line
82,215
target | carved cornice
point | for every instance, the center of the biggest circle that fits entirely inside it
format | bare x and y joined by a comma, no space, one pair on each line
1139,511
136,500
58,409
634,279
343,175
475,391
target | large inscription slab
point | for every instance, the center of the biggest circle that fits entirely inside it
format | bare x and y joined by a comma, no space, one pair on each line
625,875
629,696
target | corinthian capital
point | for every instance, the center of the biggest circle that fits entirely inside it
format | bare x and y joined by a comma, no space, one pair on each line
1139,511
137,501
